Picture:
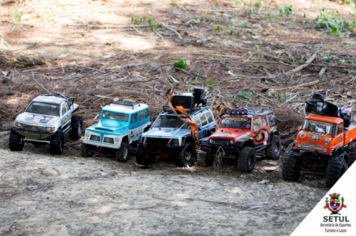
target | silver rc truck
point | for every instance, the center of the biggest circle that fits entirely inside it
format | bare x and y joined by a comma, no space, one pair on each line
46,120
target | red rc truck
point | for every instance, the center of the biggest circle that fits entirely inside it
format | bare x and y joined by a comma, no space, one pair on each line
241,133
322,144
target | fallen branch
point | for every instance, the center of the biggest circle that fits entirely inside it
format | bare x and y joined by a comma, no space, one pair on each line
84,75
117,26
40,86
301,85
299,68
171,30
137,81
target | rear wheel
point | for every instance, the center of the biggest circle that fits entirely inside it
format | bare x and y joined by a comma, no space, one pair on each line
352,157
85,150
57,143
335,169
122,154
273,151
291,168
16,141
247,159
143,157
187,157
77,128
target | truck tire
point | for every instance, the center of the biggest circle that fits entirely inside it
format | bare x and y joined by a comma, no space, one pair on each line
187,156
247,159
273,151
122,154
16,141
77,128
335,169
142,157
57,143
85,150
290,168
205,159
352,157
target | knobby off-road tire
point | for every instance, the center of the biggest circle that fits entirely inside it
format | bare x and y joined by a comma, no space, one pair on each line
122,154
57,143
247,160
291,168
187,156
205,159
16,141
85,150
142,157
335,169
77,128
273,152
352,157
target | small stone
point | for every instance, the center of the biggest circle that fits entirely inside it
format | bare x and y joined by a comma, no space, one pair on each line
32,187
130,202
49,172
112,173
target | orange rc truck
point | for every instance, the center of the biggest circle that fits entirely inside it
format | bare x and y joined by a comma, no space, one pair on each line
322,144
241,133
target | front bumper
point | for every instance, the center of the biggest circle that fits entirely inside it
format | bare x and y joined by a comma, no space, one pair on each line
32,134
213,148
312,157
99,144
158,148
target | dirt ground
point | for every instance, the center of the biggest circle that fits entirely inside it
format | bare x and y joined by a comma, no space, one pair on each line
99,196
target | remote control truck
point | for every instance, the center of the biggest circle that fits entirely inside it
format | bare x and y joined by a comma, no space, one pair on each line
322,144
121,124
46,120
241,133
176,132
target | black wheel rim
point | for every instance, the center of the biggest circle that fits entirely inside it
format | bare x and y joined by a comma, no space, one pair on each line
188,155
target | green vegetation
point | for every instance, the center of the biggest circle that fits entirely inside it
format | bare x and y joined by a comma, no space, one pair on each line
287,10
330,22
181,64
16,16
218,28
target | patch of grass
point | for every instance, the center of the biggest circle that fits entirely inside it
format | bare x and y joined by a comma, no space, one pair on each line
6,44
287,10
152,23
218,27
16,16
181,64
330,22
136,20
282,96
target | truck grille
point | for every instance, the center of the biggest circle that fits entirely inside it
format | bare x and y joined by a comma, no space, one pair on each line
312,147
33,128
95,138
163,141
225,142
108,140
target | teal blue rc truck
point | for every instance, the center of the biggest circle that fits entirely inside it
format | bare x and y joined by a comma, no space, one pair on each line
121,124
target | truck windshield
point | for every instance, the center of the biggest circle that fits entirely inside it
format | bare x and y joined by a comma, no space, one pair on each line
319,127
235,122
44,109
170,122
115,116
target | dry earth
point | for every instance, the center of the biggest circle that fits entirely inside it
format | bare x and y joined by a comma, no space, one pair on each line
99,196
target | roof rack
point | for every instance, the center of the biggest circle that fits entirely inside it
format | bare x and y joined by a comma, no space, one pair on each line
126,103
60,95
193,109
248,111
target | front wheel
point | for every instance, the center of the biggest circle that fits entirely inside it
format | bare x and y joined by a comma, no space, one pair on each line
85,150
16,141
143,157
205,159
56,145
335,169
122,154
187,157
246,160
274,149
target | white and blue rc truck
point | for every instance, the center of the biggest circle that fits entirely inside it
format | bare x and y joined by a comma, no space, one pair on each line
121,124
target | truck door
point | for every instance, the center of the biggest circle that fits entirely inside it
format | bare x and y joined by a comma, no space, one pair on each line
204,125
339,137
197,119
266,128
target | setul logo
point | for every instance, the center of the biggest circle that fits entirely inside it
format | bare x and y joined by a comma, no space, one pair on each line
334,205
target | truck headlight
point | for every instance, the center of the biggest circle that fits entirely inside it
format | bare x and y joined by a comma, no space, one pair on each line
17,124
117,139
299,145
52,129
325,150
211,140
231,141
87,134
